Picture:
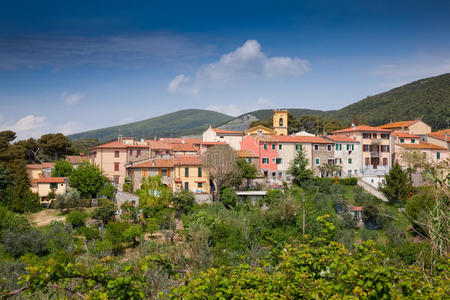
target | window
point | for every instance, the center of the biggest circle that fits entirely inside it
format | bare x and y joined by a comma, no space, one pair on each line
316,147
199,185
249,160
366,135
281,122
337,146
402,141
265,160
95,154
273,146
266,173
186,172
385,161
413,141
221,136
374,135
348,147
53,186
366,148
199,172
385,136
116,153
186,186
438,155
317,161
384,148
265,146
116,166
116,179
278,161
349,161
274,174
131,152
329,147
340,174
273,160
163,172
144,173
280,174
280,147
367,161
138,152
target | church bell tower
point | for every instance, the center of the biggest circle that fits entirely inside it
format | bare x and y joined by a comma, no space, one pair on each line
280,121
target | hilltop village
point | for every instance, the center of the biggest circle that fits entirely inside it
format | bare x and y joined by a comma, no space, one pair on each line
362,152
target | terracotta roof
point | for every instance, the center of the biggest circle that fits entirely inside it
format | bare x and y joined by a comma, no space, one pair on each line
246,153
312,140
46,165
223,131
118,145
356,208
213,143
404,134
185,160
261,127
285,138
76,159
181,140
362,128
51,180
341,138
422,146
154,163
441,134
398,124
178,180
184,148
158,145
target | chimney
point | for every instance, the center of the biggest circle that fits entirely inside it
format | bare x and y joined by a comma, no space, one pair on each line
353,125
120,138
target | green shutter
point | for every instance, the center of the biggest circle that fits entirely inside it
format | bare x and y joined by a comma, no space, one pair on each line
349,160
353,147
438,155
340,146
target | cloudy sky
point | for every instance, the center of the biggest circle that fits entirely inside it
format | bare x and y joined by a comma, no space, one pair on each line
68,67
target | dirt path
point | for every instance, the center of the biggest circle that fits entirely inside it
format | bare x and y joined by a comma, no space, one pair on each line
45,217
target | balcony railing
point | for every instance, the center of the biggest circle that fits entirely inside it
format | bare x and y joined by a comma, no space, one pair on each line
375,153
375,141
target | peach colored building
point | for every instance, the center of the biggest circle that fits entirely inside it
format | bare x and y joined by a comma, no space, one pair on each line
376,148
440,138
47,184
431,152
416,127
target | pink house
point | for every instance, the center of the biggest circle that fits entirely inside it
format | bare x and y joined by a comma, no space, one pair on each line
265,147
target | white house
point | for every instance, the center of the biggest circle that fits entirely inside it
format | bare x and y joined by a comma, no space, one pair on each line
232,138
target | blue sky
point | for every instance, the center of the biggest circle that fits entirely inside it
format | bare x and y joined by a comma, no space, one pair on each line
69,67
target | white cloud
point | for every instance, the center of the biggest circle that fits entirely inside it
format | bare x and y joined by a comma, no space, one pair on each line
69,127
28,126
72,99
245,62
230,109
264,103
179,84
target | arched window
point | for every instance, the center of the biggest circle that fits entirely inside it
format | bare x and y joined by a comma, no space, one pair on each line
281,121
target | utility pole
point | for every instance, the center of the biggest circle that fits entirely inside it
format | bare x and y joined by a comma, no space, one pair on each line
303,217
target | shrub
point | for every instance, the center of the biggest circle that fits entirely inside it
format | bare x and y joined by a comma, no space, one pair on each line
127,187
229,197
107,190
68,200
20,243
89,233
105,213
183,201
349,181
114,235
274,196
76,218
132,233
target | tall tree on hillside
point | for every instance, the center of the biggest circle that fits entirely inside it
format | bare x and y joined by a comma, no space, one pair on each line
88,179
55,145
398,186
62,168
221,162
298,168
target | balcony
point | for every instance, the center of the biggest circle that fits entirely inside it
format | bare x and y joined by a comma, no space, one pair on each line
375,154
375,141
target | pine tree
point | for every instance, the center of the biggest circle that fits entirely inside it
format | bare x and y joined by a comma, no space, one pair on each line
398,185
298,168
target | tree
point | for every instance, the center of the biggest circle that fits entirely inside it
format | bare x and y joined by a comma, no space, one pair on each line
183,201
62,168
132,233
398,186
70,199
246,170
88,179
5,181
229,197
76,218
55,145
298,168
105,213
221,162
153,192
107,190
327,169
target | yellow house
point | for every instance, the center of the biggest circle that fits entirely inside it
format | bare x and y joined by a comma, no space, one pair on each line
260,129
47,184
280,121
190,174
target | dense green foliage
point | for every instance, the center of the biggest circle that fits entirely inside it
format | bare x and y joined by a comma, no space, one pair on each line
88,179
298,168
62,168
183,122
398,186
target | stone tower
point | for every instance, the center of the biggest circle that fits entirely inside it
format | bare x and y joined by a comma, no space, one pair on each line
280,121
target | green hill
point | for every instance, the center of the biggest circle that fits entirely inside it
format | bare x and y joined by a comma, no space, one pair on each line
428,99
180,123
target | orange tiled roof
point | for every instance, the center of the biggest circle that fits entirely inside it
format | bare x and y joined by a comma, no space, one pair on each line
46,165
356,208
404,134
213,143
246,153
182,140
184,148
51,180
223,131
362,128
76,159
341,138
158,145
155,163
400,124
441,134
422,146
185,160
118,145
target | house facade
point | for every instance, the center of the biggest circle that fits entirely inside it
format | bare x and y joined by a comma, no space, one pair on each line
265,147
232,138
376,148
45,185
190,174
151,167
440,138
347,154
416,127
